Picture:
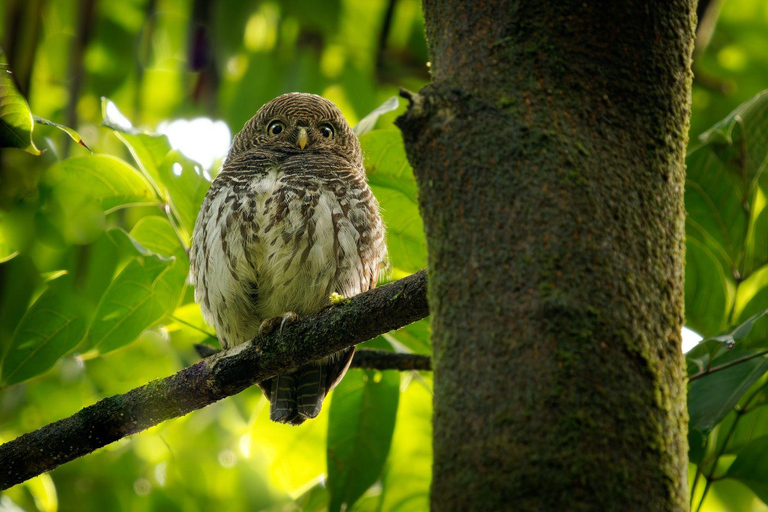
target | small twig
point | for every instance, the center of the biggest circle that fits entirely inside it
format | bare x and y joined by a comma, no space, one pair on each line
714,369
192,326
370,359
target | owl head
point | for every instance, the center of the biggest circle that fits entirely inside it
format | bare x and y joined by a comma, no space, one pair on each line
296,123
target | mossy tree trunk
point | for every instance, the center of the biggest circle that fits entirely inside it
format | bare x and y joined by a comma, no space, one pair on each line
549,154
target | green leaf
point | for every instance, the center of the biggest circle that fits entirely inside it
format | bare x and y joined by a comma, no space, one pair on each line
66,129
391,179
186,186
727,220
50,328
750,468
157,235
15,118
413,338
137,299
7,249
360,427
408,473
102,178
367,123
148,149
713,396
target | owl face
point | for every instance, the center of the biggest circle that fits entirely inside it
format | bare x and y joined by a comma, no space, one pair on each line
297,123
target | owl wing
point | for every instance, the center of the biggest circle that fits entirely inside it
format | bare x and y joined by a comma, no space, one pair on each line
221,264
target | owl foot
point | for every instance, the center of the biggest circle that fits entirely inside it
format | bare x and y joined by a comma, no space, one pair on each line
336,298
269,325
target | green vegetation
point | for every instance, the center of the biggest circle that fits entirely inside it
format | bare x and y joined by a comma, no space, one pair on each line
93,264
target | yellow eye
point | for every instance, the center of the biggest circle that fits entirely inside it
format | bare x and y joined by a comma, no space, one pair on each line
275,128
326,130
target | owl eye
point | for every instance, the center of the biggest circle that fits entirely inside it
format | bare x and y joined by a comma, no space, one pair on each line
326,131
275,128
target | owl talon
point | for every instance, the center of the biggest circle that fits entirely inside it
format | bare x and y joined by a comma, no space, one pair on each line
269,325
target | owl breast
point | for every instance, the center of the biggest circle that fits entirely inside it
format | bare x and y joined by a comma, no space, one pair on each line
283,239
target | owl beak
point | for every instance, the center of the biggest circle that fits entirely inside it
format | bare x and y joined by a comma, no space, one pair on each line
303,138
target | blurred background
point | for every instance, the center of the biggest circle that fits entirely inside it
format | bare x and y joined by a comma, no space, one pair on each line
196,70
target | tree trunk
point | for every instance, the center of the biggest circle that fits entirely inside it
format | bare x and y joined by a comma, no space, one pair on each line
549,154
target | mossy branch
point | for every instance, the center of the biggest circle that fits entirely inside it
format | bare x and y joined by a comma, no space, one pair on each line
223,374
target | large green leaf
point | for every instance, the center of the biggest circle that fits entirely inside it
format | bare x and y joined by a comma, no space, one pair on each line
157,235
408,474
148,149
750,468
15,118
137,299
391,179
186,186
107,180
711,396
50,328
714,396
727,220
360,427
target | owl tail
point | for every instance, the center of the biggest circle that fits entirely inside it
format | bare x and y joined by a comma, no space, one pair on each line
298,395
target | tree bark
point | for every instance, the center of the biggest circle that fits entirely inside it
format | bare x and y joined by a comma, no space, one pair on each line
549,154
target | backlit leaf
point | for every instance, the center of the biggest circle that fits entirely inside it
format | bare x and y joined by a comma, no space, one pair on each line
360,427
15,118
391,179
50,328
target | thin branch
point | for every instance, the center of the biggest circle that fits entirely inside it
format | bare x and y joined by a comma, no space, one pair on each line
383,360
369,359
353,321
723,366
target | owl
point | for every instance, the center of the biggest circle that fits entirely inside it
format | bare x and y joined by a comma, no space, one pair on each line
288,222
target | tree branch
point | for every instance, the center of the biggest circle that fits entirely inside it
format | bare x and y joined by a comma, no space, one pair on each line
367,358
317,335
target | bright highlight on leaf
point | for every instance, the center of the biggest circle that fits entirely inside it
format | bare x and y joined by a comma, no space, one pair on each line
15,118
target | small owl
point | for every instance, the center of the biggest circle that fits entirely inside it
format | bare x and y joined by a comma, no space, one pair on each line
288,222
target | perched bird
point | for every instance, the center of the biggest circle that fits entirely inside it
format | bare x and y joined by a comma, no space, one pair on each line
288,222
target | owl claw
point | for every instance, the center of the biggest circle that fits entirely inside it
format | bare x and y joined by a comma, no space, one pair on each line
269,325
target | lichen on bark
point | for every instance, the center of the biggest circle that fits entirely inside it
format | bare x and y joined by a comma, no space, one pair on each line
549,155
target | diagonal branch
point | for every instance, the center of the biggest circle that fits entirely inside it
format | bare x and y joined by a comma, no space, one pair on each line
227,373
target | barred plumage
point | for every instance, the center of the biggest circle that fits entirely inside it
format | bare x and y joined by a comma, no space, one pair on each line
289,221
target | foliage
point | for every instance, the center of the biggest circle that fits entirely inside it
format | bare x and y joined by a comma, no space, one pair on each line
93,260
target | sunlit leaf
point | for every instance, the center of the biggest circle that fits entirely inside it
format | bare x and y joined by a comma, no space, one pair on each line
15,118
51,327
391,179
66,129
149,150
408,473
107,180
360,426
7,250
156,234
186,186
367,123
136,300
